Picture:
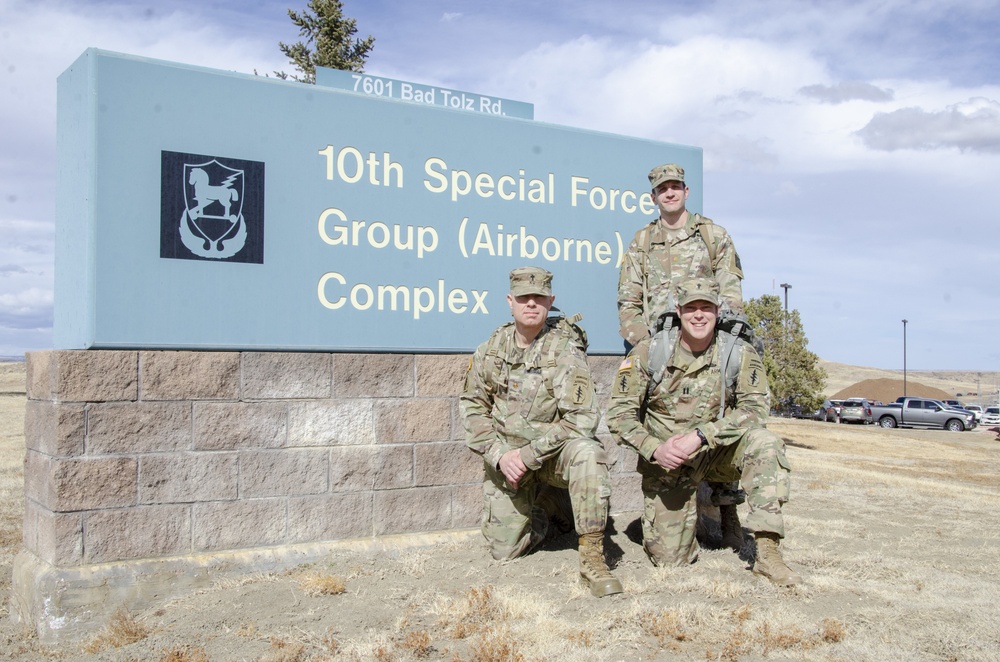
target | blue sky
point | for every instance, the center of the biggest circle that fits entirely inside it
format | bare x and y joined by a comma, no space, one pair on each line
852,149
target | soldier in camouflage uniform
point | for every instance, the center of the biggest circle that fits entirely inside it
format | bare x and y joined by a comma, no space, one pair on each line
529,408
683,440
676,246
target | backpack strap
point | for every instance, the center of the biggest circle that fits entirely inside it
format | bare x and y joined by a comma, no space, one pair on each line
560,325
495,356
730,361
659,353
709,238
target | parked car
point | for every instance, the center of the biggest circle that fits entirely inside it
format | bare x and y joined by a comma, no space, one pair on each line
976,410
829,411
991,416
923,413
952,405
856,410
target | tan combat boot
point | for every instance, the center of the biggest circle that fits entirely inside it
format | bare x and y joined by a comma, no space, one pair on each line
732,530
769,562
593,571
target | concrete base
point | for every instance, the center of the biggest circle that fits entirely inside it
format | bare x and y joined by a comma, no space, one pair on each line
70,604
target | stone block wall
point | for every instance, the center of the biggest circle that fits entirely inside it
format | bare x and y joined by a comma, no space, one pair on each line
149,454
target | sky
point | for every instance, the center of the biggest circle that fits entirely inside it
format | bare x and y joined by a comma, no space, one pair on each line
852,149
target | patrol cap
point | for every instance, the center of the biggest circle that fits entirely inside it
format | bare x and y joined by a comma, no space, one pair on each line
530,280
666,173
698,289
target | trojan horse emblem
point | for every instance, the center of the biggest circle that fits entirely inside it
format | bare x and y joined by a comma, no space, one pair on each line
212,225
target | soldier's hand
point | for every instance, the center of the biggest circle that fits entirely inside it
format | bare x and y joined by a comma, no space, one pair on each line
676,450
512,467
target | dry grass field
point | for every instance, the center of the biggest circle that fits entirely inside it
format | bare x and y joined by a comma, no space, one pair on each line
896,533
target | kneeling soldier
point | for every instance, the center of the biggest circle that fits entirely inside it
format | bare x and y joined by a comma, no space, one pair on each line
695,409
530,410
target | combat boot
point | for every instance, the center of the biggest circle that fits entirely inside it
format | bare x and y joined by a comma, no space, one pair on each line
594,571
769,562
732,530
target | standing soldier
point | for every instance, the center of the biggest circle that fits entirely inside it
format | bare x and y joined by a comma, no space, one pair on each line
695,408
529,408
675,247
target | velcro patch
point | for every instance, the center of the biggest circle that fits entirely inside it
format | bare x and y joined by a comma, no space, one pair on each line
580,390
626,364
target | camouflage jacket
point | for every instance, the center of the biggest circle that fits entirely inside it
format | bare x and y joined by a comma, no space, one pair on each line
652,267
687,398
534,399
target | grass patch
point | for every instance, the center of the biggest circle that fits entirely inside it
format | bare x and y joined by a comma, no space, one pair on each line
316,584
185,654
123,629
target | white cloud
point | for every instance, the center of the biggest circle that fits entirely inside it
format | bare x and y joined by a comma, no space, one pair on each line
970,126
27,309
847,91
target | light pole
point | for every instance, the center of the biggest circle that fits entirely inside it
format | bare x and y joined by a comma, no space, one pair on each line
904,358
785,287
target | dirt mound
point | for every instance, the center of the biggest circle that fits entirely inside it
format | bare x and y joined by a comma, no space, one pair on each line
887,390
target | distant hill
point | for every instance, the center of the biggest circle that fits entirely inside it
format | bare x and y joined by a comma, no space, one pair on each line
948,384
887,390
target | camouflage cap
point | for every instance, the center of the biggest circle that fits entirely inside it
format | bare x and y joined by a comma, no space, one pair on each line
530,280
698,289
666,173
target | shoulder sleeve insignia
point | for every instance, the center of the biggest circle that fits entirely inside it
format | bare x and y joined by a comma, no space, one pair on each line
626,364
581,390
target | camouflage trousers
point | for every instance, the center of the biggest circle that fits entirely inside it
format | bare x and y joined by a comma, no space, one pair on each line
670,510
512,523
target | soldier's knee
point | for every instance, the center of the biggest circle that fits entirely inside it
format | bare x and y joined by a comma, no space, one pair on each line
764,442
504,553
509,543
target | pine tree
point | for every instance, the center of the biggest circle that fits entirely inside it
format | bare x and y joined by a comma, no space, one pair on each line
326,29
792,370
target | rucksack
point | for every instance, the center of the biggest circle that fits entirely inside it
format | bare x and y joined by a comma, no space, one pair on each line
730,329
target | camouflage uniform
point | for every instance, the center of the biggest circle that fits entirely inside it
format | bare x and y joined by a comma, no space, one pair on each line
542,401
738,445
654,265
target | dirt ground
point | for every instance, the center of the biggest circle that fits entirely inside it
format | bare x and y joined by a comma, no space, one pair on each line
895,532
887,390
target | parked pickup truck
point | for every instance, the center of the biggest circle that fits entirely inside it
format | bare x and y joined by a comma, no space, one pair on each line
922,413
